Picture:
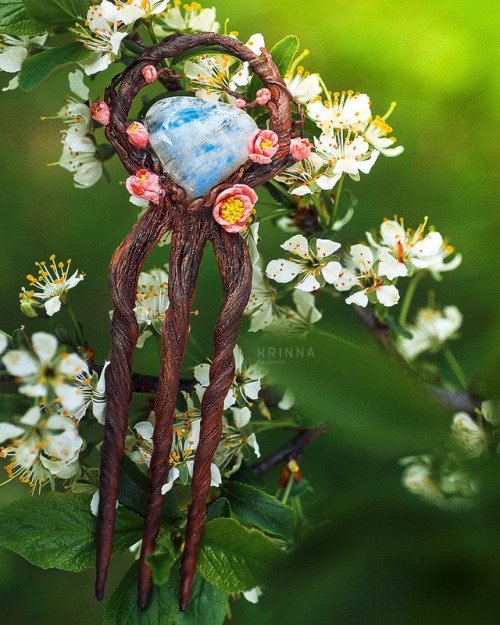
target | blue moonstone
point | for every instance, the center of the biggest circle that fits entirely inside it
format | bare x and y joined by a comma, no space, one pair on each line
200,143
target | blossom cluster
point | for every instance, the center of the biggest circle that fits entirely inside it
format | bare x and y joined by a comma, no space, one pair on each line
450,482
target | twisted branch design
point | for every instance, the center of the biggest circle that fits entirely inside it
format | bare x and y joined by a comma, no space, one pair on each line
192,225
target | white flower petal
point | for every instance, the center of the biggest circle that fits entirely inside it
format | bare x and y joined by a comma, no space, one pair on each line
326,247
52,305
308,283
172,476
360,298
297,244
387,295
331,271
20,363
9,431
44,345
283,270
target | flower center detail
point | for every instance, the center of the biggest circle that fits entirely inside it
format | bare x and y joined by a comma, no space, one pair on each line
266,144
232,210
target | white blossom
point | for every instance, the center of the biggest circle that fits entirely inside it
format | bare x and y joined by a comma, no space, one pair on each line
209,74
376,130
490,409
432,328
468,438
419,479
13,51
151,302
41,447
261,306
187,18
299,321
4,342
42,369
82,163
303,85
52,284
247,379
411,250
253,595
345,154
87,390
236,439
347,110
309,258
101,35
129,11
303,176
362,270
251,237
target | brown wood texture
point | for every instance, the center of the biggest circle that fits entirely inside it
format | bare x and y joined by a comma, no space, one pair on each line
192,225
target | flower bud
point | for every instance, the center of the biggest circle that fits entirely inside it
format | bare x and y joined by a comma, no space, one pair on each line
138,135
100,112
263,96
262,146
149,73
300,149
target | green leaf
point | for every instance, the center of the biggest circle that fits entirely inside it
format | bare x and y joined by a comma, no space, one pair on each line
245,475
259,508
206,607
122,608
283,54
11,404
218,509
19,340
397,327
133,491
15,21
57,12
162,559
57,530
232,557
39,67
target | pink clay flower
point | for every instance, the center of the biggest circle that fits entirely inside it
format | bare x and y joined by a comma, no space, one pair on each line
100,112
138,135
262,146
234,206
149,73
145,185
263,96
239,103
300,149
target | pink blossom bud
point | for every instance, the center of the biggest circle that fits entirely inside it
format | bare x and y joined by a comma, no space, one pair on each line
262,146
300,149
239,103
234,206
263,96
150,74
100,112
145,185
138,135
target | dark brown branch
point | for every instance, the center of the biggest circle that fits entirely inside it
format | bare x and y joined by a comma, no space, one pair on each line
294,450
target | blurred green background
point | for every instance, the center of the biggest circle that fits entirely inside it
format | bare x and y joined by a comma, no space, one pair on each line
378,555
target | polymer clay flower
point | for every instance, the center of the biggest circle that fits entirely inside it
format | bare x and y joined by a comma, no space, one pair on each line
138,135
145,185
234,206
262,146
149,73
263,96
300,149
100,112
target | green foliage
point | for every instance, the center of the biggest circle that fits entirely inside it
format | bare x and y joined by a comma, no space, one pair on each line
12,405
57,12
57,530
232,557
283,54
14,20
133,491
162,559
220,508
259,508
206,607
39,67
122,608
19,340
